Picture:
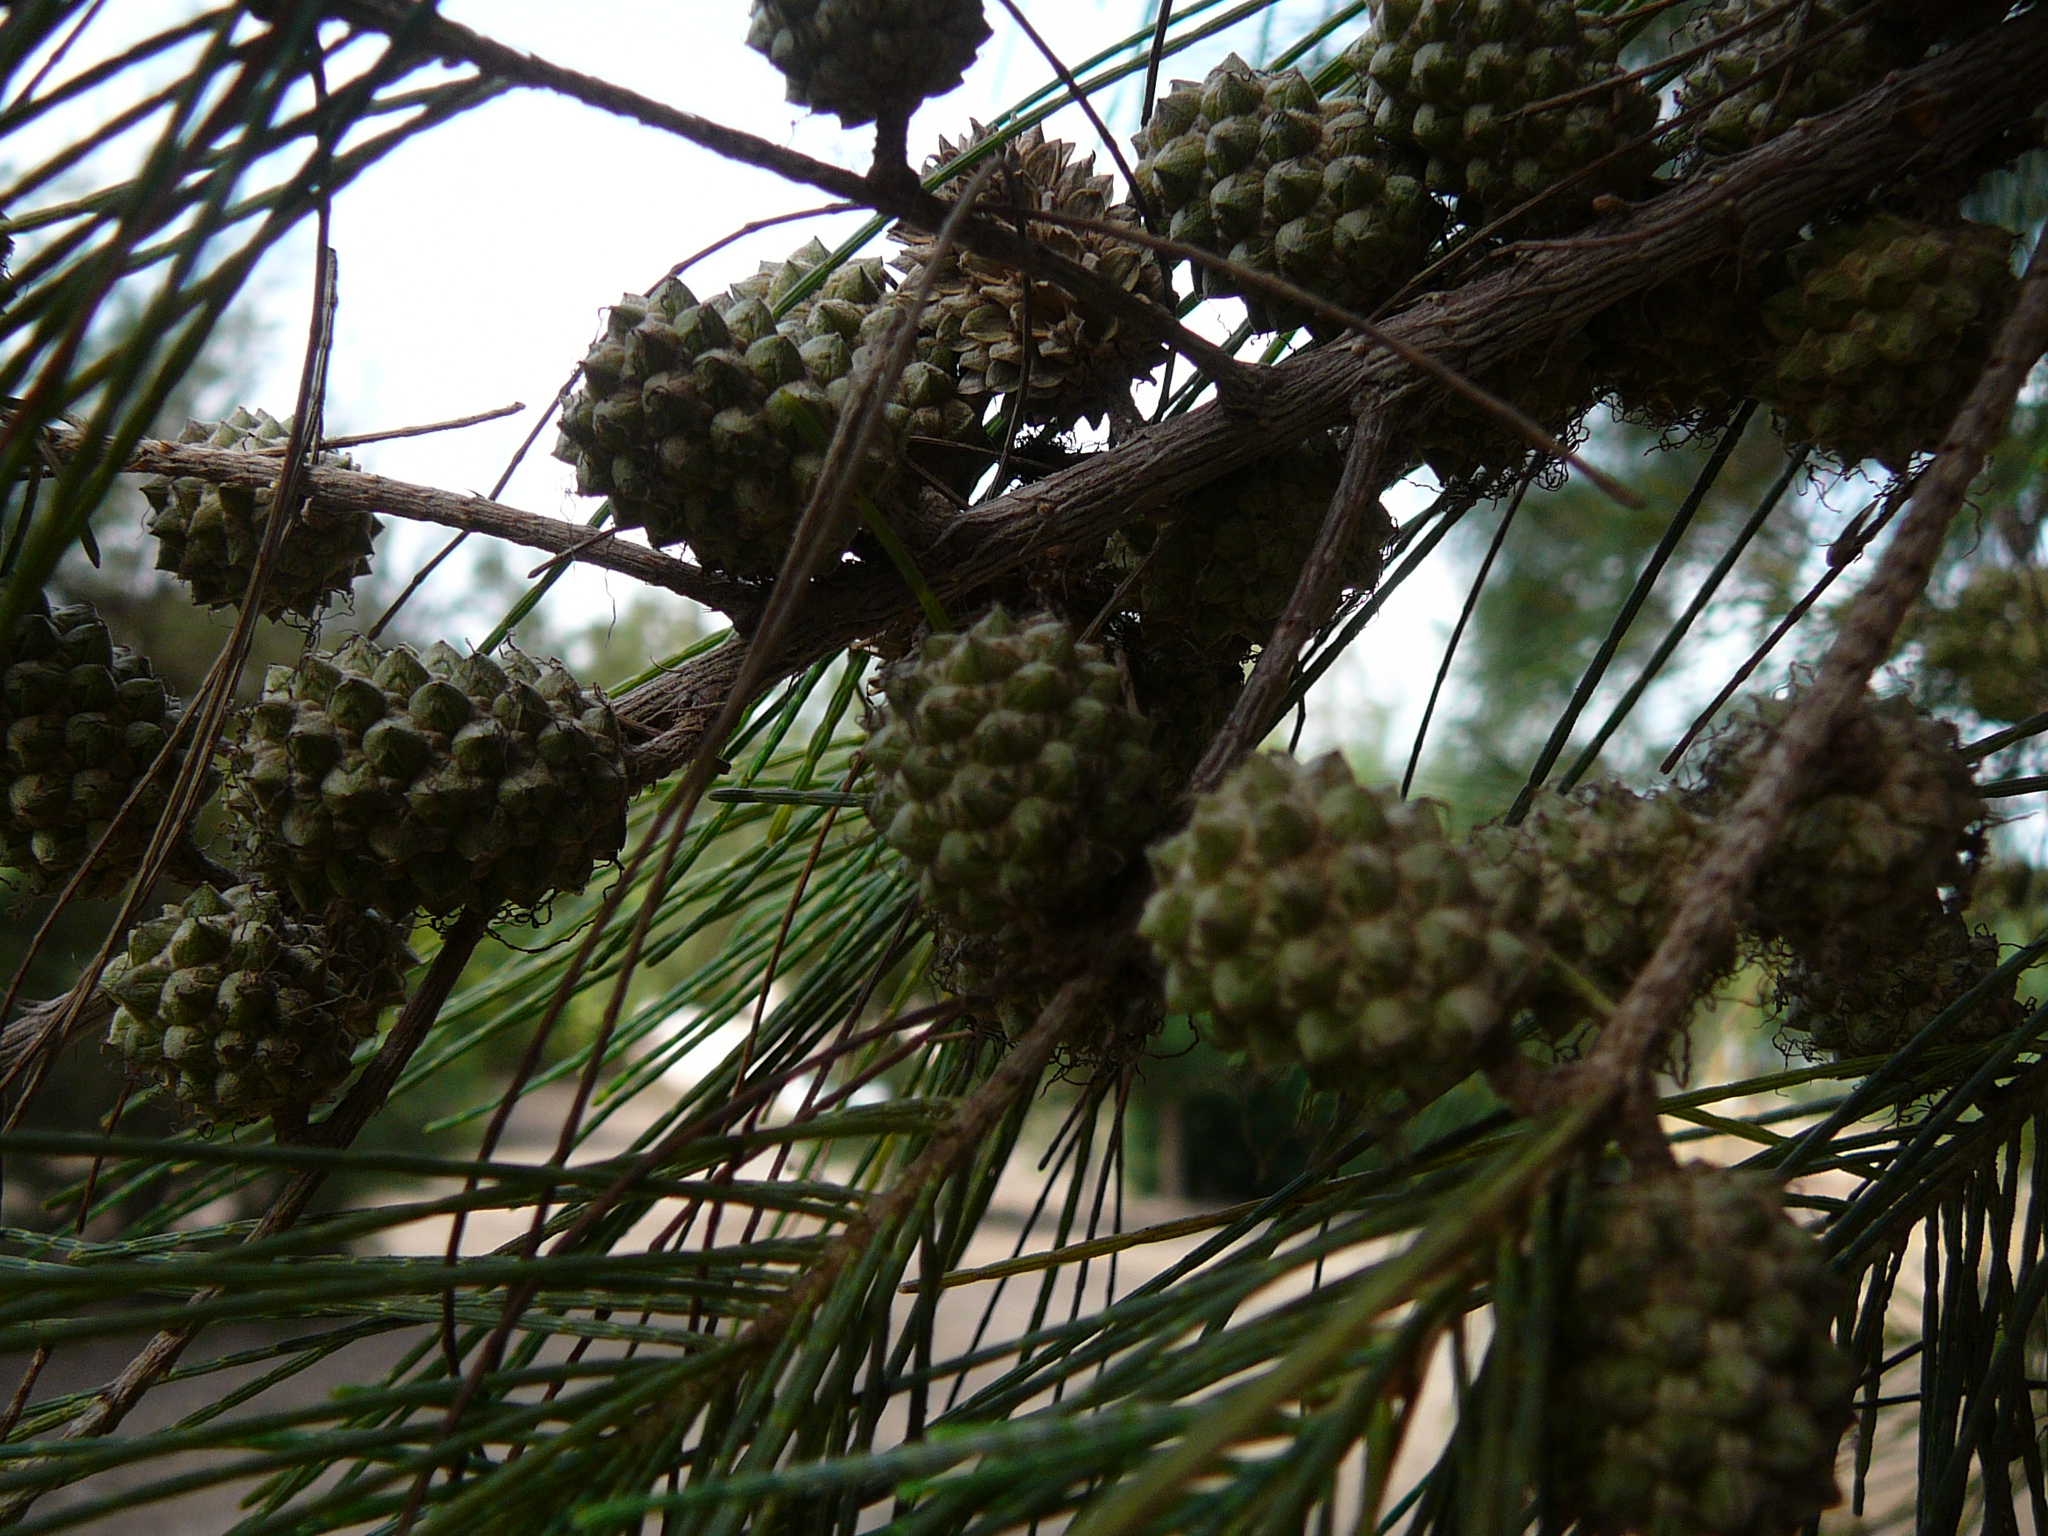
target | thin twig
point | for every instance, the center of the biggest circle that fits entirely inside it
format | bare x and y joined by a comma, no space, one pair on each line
391,434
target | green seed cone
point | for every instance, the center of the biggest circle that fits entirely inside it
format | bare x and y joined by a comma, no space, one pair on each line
244,1008
1883,332
209,535
1455,81
398,781
1687,354
1986,648
1256,168
864,59
1314,920
1894,820
1606,866
1010,775
709,423
1082,358
83,720
1696,1388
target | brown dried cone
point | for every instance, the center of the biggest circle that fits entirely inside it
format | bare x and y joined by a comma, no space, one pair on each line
1894,819
83,720
1814,58
1697,1391
208,535
709,423
1314,920
1010,774
864,59
1225,566
386,779
1257,168
1860,999
1882,332
1987,647
1459,81
1606,865
1687,354
245,1008
1082,358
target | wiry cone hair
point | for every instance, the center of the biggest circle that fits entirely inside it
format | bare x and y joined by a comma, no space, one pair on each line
1225,566
864,59
209,535
709,423
1810,60
1475,451
1318,921
244,1008
1464,82
447,781
1883,332
1256,168
1010,774
1855,998
1894,819
1685,354
1081,357
1697,1391
84,719
1605,866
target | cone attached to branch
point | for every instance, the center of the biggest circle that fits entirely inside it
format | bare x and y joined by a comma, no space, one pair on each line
388,779
209,535
868,59
84,720
1315,920
244,1008
1697,1390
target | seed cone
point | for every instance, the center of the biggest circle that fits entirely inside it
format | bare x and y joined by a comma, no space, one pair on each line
1009,774
1894,819
1318,921
1472,450
1186,683
1987,649
244,1007
1606,865
208,535
1883,332
83,719
1684,355
1225,567
1455,79
709,423
1803,64
385,779
1860,999
1697,1392
864,59
1082,358
1256,168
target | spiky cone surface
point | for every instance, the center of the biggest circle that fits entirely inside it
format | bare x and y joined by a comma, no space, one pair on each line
864,59
1860,999
1315,920
83,720
246,1009
389,779
1894,819
208,535
1987,647
1010,774
1256,168
1606,865
1686,354
1697,1389
708,423
1883,331
1226,565
1081,357
1457,80
1763,81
